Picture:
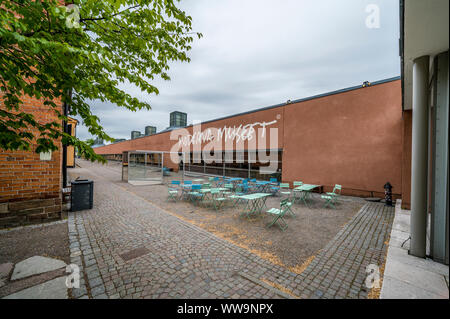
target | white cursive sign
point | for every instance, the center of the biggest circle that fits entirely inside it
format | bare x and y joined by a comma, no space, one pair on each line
234,133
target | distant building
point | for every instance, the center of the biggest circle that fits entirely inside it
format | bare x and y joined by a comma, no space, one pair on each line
71,128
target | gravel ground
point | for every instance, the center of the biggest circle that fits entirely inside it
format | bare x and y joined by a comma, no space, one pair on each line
45,240
307,233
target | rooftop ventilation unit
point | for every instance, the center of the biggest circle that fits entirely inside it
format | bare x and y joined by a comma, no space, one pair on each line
178,119
135,134
150,130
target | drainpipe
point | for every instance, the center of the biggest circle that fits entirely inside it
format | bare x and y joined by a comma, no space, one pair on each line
64,149
419,169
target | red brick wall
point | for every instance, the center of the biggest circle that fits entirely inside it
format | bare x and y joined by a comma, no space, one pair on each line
29,187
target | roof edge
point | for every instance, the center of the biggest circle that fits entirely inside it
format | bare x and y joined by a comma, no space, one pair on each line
312,97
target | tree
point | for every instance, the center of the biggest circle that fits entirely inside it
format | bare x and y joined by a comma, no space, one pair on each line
90,141
80,52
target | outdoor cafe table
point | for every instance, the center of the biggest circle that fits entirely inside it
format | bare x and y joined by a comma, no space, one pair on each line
185,188
234,180
304,192
255,203
262,186
207,191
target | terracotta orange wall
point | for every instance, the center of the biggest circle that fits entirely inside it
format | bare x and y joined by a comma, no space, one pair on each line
352,138
406,159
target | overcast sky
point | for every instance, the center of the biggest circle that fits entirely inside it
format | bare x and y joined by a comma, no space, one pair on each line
256,53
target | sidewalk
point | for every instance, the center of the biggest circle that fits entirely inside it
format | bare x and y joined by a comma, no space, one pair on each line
408,277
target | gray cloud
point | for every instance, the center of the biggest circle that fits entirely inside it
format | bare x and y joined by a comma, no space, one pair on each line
256,53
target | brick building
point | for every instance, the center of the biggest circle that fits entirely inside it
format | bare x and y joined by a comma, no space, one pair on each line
30,183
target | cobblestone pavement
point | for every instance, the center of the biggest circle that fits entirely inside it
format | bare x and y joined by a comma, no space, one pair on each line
339,270
128,248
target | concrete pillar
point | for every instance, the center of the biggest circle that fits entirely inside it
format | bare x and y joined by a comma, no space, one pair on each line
419,162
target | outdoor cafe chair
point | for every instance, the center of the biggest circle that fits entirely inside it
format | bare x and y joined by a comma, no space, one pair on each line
194,195
175,183
336,190
244,187
229,188
173,194
284,189
274,188
236,196
297,184
278,215
217,199
332,197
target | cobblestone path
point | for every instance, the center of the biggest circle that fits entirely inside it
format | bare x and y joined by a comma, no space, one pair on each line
339,270
128,248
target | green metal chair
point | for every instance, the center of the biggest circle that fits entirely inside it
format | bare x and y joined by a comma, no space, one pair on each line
278,215
194,195
336,190
285,190
173,194
229,187
235,197
217,199
296,184
332,197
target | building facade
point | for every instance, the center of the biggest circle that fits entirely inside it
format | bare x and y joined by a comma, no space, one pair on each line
425,88
351,137
30,183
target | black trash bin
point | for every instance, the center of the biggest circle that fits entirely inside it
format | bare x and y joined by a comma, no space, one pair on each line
82,195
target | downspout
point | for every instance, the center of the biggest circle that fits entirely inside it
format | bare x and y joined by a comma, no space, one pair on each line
64,147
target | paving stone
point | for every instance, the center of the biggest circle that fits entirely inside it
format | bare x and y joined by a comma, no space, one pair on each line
176,263
36,265
5,270
78,292
53,289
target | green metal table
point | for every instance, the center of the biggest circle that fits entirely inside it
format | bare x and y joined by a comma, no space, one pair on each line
255,203
304,192
207,192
